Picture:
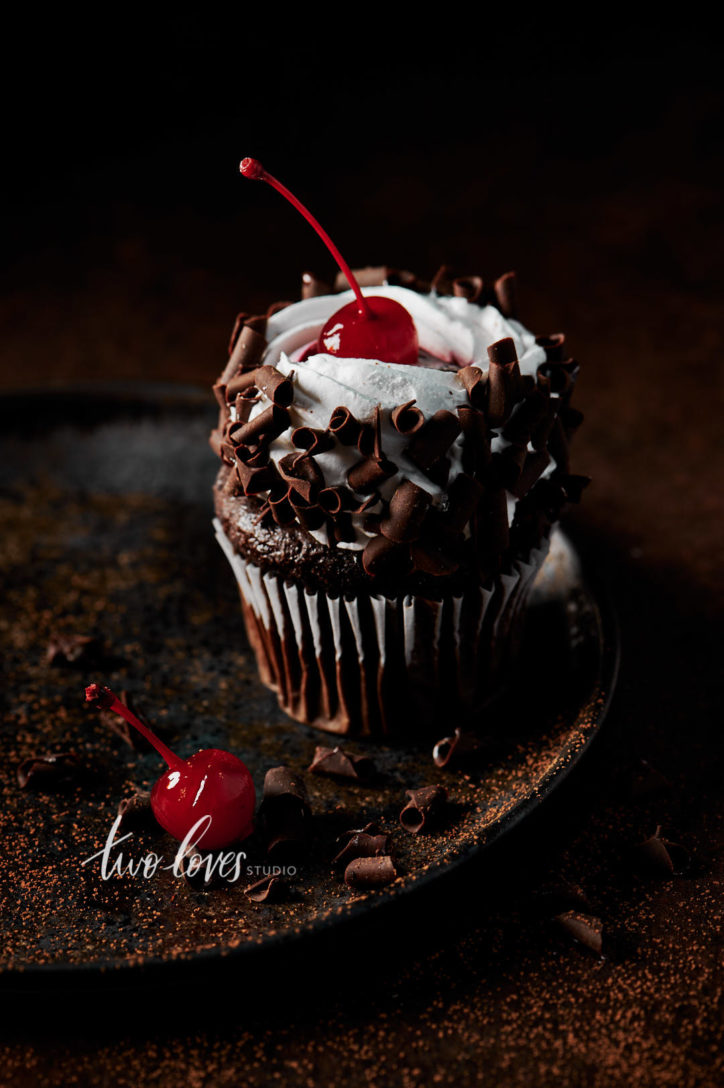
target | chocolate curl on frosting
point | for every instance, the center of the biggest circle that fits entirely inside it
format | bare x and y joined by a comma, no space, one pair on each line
533,468
264,427
528,416
238,325
475,384
370,872
469,287
284,811
442,281
407,510
553,346
476,439
406,419
369,441
464,494
312,287
302,474
341,764
248,349
241,383
275,386
344,426
377,277
433,440
367,474
335,499
312,440
423,809
503,380
434,558
506,292
308,514
383,558
280,507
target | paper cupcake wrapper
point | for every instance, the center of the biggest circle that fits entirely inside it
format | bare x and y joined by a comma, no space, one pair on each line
369,665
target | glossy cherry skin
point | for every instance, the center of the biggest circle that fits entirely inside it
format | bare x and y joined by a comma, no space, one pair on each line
212,782
388,333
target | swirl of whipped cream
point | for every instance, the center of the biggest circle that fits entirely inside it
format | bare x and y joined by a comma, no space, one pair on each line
452,333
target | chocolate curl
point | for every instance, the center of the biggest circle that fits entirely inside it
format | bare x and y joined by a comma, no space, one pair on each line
464,494
442,282
433,440
344,426
238,324
423,809
313,287
503,380
507,466
534,466
406,419
367,474
72,650
661,857
476,439
284,810
433,559
583,929
369,441
527,417
280,507
337,762
275,386
407,510
308,514
455,749
335,499
264,427
475,384
277,307
559,377
242,383
270,889
312,440
248,349
254,479
469,287
371,276
553,346
506,292
343,529
382,558
219,390
135,811
49,772
302,474
370,872
361,844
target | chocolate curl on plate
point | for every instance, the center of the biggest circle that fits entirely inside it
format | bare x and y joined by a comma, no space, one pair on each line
475,383
433,440
270,889
533,468
264,427
368,473
135,811
335,499
280,507
275,386
406,419
661,857
503,380
456,749
424,808
49,772
464,494
341,764
344,426
302,474
469,287
382,558
407,510
506,292
362,844
582,928
553,346
76,650
284,811
312,440
312,287
370,872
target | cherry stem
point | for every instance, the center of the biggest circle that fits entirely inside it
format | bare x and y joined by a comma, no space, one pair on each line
112,702
252,168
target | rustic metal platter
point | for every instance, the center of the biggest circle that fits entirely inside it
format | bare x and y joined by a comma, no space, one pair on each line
105,499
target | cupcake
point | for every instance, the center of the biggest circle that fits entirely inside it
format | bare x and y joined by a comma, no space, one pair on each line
385,520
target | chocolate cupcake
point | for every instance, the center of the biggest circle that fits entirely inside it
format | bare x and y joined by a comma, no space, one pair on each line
385,521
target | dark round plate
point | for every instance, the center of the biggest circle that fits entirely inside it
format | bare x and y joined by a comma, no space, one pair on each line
105,496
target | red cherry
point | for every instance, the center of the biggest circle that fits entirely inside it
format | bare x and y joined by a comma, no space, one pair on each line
372,327
211,784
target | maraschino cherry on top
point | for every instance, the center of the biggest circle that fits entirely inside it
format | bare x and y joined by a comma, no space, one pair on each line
370,327
211,783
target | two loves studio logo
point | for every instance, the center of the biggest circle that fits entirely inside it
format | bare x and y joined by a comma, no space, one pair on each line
188,861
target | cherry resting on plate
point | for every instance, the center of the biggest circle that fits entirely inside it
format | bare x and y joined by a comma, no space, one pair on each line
210,783
371,327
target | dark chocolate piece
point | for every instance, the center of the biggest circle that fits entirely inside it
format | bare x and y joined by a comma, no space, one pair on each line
270,889
284,812
72,649
375,872
407,510
335,761
584,929
434,439
456,749
661,857
362,845
344,426
406,419
475,383
383,558
275,386
312,440
367,474
424,808
268,425
49,772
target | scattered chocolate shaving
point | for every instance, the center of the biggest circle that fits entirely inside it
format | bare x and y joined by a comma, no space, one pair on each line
434,439
270,889
248,348
584,929
64,649
533,468
424,808
335,761
241,384
277,307
369,440
375,872
456,749
362,845
406,419
279,505
661,857
254,480
371,276
408,507
432,559
442,281
135,811
49,772
371,828
312,287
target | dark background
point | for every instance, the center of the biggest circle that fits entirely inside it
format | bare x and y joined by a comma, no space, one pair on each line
589,158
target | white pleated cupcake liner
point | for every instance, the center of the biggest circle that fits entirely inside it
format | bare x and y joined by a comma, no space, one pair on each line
371,665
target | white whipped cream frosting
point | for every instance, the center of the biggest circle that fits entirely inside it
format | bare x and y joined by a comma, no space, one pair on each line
452,333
